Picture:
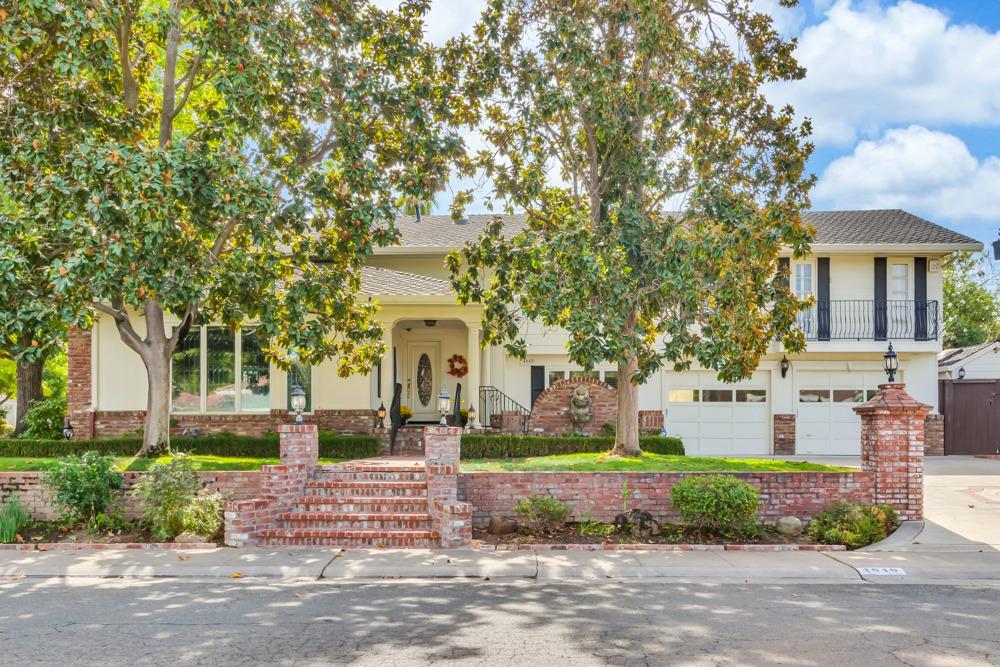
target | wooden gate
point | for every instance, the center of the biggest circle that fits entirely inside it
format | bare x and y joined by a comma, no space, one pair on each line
971,410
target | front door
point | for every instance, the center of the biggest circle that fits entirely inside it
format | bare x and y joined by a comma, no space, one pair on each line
422,381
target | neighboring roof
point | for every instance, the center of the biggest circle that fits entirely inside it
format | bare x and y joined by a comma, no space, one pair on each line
889,226
852,228
376,281
960,355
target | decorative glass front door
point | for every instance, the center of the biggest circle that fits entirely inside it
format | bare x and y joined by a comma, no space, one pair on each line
423,380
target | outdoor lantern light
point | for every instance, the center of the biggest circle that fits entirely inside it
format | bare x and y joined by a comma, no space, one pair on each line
444,405
381,416
890,362
961,373
785,365
298,402
67,431
471,423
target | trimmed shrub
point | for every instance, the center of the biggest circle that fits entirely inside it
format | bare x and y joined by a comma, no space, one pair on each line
13,517
518,446
854,525
541,512
720,503
331,445
85,488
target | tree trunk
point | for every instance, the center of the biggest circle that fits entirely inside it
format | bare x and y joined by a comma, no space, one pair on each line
29,389
156,426
627,430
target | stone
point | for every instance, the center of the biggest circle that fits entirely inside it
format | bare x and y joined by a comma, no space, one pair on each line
191,538
579,406
638,523
789,525
500,525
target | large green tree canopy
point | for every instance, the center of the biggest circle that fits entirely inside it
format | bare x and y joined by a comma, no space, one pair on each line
659,185
971,301
224,147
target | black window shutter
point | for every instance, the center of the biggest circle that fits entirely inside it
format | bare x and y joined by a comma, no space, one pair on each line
881,311
537,382
920,298
823,297
785,269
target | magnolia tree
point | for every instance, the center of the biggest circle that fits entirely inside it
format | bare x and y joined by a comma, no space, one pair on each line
658,182
243,141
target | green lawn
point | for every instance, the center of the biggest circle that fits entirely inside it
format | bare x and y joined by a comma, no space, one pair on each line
201,462
647,463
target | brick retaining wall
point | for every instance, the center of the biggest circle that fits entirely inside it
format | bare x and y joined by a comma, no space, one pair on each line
28,486
124,422
800,494
550,414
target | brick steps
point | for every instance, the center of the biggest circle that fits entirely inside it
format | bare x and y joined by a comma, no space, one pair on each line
317,537
359,505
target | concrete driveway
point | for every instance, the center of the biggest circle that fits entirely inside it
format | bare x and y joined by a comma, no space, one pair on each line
961,504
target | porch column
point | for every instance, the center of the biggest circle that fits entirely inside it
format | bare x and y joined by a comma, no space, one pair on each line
386,387
473,358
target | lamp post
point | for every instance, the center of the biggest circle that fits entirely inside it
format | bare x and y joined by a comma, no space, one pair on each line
380,416
67,432
444,405
298,402
890,363
471,422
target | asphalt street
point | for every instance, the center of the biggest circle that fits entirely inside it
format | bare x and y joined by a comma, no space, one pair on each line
162,621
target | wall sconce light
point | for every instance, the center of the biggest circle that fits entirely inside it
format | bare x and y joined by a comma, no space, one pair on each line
785,365
961,373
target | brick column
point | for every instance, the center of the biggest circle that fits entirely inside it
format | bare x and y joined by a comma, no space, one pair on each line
79,399
892,447
279,486
450,517
934,435
784,434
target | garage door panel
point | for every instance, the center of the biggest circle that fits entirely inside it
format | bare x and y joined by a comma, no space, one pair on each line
831,427
734,421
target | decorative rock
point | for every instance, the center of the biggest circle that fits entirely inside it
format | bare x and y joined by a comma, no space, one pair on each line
789,525
501,526
191,538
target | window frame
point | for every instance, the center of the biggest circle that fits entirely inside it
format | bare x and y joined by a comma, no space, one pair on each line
566,370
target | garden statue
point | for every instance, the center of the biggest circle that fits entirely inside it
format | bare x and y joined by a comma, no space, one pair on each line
579,406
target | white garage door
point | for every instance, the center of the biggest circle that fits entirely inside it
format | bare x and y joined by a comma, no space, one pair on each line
718,419
825,422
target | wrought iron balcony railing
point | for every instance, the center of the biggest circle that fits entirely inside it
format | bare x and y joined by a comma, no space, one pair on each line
859,319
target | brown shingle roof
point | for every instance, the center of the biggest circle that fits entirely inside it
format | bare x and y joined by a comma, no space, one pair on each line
376,281
881,227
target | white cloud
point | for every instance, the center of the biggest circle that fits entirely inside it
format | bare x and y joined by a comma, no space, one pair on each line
871,66
917,169
446,18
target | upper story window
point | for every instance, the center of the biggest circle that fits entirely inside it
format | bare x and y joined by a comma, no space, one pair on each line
216,369
803,281
899,282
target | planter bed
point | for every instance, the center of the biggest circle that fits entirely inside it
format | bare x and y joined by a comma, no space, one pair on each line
53,535
672,535
103,546
607,546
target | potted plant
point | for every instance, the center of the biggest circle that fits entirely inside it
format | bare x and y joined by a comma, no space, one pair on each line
405,414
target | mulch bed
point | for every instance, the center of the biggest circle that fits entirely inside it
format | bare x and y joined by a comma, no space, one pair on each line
43,535
670,534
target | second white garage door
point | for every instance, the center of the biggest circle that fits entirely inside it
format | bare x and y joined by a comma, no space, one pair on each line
718,419
825,421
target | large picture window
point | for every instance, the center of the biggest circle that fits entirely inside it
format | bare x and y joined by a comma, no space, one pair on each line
218,370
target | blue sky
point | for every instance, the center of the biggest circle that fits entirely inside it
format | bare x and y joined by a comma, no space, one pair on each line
904,96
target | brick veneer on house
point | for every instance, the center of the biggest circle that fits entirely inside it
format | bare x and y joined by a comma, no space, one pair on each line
650,421
451,518
801,494
934,435
784,434
240,485
280,485
892,448
79,382
551,410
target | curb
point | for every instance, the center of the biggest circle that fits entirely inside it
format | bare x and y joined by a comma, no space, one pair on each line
767,548
114,546
903,536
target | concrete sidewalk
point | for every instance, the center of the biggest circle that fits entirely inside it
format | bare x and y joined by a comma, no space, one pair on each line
370,565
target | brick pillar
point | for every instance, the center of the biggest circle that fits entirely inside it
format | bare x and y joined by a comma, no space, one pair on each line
79,399
934,435
892,447
451,518
279,486
784,434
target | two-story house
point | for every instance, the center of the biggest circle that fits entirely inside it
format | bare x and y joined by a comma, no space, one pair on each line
875,276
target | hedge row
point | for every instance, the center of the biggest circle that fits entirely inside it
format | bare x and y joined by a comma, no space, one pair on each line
331,445
515,446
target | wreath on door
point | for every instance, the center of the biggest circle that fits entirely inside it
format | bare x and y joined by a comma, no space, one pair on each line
458,366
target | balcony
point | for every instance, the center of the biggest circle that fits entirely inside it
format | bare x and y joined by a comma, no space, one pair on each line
871,320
